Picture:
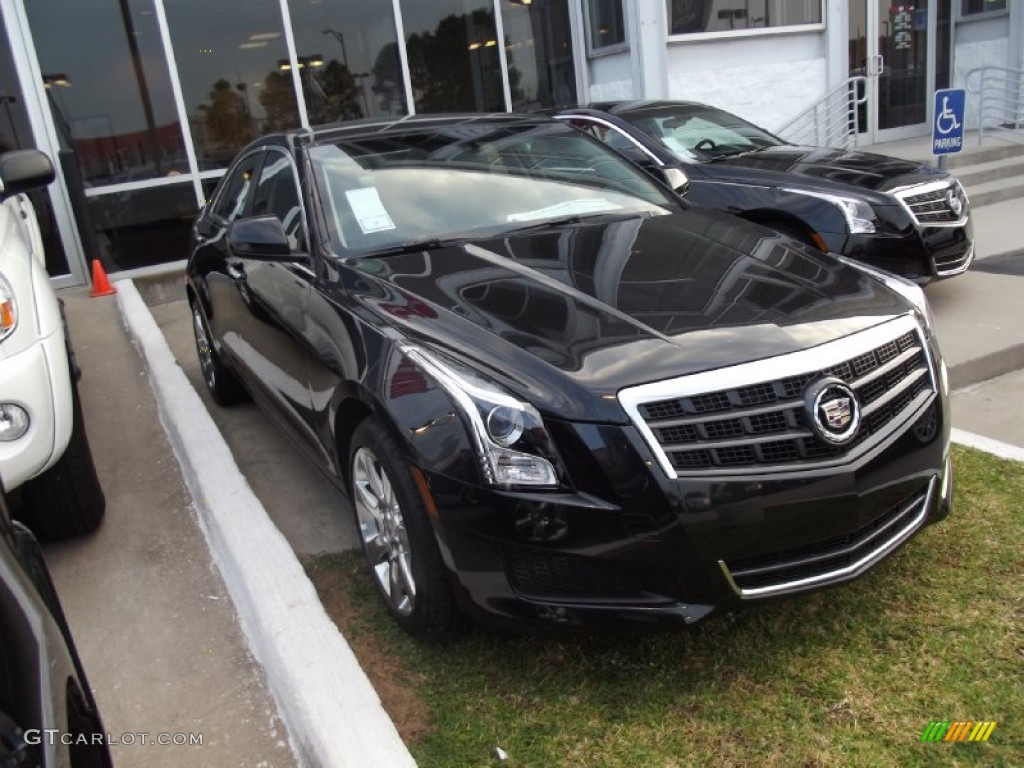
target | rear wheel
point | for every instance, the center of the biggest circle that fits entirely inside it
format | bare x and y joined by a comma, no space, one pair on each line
397,536
67,499
223,385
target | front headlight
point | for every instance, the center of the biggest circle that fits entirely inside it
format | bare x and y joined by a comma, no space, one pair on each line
912,292
513,448
860,217
8,309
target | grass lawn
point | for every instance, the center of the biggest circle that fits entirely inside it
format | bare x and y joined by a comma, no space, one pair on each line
849,677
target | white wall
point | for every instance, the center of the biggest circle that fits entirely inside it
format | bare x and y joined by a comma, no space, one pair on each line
611,77
978,44
768,80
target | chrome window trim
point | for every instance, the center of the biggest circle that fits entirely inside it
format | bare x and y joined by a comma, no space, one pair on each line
912,190
611,127
840,574
746,374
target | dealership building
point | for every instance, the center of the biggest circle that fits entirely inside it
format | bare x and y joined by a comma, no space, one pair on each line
143,103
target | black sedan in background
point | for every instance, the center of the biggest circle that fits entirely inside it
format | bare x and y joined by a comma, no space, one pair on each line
903,217
553,389
48,717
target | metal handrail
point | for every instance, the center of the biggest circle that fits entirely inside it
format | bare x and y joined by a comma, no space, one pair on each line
834,121
999,93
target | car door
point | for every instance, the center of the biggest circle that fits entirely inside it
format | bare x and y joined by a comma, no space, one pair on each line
224,309
269,343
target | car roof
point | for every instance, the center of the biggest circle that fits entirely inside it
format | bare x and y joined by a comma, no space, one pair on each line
625,107
376,125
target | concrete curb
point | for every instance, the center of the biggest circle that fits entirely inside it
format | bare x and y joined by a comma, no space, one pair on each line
987,444
986,367
332,712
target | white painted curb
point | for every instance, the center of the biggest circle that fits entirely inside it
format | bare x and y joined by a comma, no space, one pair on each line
987,444
332,712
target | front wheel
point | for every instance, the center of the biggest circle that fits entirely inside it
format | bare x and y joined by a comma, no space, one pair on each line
67,499
223,385
397,537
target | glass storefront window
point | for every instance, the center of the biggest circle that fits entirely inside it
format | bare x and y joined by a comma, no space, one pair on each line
235,73
972,7
607,26
144,226
538,48
348,51
687,17
452,48
108,87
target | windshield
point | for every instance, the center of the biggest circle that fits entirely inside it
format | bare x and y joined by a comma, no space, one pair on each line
697,132
471,180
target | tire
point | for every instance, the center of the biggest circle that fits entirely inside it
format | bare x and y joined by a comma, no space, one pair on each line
397,536
67,499
221,382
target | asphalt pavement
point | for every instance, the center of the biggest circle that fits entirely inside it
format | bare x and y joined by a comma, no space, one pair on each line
157,632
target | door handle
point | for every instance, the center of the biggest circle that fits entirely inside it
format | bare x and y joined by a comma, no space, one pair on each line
881,64
235,270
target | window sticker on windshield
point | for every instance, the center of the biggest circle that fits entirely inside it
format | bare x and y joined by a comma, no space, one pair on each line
368,209
568,208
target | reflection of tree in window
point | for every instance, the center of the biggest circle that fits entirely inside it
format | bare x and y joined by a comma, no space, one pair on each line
225,120
456,67
332,93
278,101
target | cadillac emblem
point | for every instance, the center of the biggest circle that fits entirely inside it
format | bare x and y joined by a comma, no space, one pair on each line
832,410
954,202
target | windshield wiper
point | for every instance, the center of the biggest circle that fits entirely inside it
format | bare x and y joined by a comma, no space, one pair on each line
414,246
738,153
574,218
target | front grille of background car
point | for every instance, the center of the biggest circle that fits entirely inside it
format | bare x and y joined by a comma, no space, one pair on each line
821,558
549,575
927,203
953,261
763,427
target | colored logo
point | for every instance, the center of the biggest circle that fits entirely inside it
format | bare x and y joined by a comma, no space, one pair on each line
833,410
959,730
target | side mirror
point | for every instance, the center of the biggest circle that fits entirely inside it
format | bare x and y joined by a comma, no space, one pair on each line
677,179
259,237
22,170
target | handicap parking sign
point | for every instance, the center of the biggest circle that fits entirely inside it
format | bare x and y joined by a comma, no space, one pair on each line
948,123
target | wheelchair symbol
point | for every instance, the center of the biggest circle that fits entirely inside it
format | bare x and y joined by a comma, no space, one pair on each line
945,121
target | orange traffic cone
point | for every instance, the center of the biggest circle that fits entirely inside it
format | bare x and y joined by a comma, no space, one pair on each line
100,285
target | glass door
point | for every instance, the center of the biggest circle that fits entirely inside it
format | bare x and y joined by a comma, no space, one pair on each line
890,44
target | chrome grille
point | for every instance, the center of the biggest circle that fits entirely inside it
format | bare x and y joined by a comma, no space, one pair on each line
762,426
929,206
832,560
955,261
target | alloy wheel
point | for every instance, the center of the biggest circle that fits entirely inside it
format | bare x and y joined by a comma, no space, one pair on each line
382,528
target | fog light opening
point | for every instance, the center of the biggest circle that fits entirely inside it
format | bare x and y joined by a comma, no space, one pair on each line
14,422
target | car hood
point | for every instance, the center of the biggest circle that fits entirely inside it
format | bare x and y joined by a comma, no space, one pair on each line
829,167
569,315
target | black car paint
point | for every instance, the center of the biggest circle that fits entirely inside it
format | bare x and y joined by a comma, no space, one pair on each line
762,185
564,327
43,687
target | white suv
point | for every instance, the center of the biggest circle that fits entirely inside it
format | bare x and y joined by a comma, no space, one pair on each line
44,450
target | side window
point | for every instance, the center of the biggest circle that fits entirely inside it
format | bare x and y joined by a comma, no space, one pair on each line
613,137
277,193
231,201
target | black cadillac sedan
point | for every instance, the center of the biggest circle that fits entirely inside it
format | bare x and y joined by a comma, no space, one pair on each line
554,390
903,217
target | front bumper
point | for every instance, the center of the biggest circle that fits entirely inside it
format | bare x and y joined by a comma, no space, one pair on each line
39,380
634,546
922,254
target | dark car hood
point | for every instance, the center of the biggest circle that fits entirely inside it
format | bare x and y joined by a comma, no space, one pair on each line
863,170
568,316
